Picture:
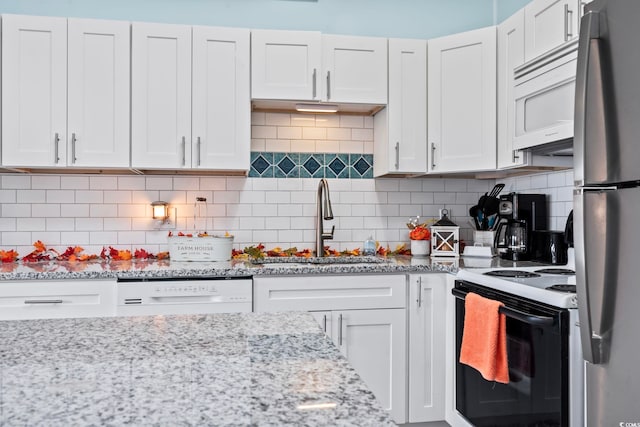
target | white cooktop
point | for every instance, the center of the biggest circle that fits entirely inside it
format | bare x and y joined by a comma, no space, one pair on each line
533,288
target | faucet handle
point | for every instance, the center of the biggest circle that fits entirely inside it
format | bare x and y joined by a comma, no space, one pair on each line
329,236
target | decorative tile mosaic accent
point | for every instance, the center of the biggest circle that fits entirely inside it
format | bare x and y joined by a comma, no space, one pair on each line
311,165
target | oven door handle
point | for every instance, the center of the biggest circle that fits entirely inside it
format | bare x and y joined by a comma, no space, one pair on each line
513,313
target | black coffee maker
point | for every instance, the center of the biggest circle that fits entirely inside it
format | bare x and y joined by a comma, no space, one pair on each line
518,216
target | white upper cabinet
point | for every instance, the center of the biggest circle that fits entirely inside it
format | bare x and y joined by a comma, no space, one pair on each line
462,102
34,91
510,55
99,93
548,24
308,66
58,113
161,96
400,130
221,116
355,69
190,98
286,64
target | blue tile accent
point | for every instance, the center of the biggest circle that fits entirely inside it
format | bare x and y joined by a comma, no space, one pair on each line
286,165
311,165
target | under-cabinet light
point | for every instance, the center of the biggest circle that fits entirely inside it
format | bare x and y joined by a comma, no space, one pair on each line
317,108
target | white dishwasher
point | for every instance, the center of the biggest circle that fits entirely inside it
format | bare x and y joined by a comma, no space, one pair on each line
184,295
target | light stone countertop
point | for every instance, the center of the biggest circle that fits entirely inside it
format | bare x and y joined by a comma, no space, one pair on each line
150,269
258,369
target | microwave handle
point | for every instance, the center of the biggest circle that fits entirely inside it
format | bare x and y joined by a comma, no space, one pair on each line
589,112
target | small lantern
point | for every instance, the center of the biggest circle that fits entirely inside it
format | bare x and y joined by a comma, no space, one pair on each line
445,236
160,211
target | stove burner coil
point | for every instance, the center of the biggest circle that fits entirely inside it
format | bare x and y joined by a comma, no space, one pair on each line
511,273
562,271
563,288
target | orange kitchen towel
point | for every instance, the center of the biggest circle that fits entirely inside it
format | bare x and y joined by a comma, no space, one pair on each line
484,338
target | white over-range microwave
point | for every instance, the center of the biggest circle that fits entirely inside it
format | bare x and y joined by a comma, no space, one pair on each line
544,96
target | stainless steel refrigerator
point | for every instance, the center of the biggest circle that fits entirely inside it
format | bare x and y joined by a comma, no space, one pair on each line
607,209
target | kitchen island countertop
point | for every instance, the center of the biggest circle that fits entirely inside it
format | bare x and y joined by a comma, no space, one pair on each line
220,369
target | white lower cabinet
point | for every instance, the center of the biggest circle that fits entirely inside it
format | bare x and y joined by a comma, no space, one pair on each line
427,320
57,299
365,316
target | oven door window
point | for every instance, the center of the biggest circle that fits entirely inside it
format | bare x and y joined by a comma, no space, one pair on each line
537,393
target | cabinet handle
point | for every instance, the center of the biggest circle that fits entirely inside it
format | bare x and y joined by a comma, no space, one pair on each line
328,85
198,150
56,143
419,300
397,155
314,83
515,156
184,151
324,323
43,301
433,155
567,12
340,330
73,148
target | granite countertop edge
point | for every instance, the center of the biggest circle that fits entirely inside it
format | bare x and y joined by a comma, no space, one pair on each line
154,269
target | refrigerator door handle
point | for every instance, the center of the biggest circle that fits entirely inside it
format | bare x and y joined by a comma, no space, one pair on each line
591,232
589,98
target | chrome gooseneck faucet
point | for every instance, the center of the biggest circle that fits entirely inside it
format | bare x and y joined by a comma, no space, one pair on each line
326,213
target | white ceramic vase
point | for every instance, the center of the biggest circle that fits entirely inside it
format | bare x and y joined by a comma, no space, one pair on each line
420,247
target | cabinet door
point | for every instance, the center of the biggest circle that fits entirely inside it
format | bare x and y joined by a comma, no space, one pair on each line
324,320
285,64
374,342
161,96
99,92
462,102
548,24
510,55
403,149
427,314
221,114
354,69
34,91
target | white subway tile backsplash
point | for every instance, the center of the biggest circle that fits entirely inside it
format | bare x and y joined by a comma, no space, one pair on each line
313,133
45,182
290,236
31,224
278,197
323,146
50,210
362,134
387,184
557,179
8,196
399,197
106,211
303,120
61,196
347,147
302,223
339,134
8,224
90,196
351,121
131,183
75,238
213,183
117,224
328,121
433,185
277,119
60,224
302,146
239,210
134,238
158,183
31,196
74,210
264,132
444,198
117,197
99,237
252,197
387,210
186,183
278,145
49,238
258,119
291,132
74,182
290,210
252,223
18,182
278,223
258,144
17,238
268,237
103,183
16,210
